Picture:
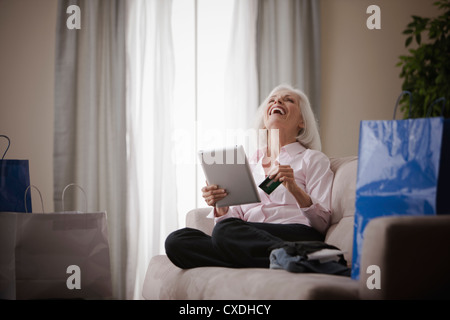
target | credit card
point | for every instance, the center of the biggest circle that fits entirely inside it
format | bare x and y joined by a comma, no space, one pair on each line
268,185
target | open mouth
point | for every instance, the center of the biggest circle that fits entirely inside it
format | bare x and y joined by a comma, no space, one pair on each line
277,110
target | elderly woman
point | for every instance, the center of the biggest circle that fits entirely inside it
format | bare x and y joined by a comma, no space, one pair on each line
298,210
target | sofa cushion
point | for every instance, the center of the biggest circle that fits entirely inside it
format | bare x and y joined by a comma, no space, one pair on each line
166,281
197,219
340,233
344,187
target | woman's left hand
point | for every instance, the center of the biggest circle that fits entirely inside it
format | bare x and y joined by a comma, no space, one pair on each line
285,174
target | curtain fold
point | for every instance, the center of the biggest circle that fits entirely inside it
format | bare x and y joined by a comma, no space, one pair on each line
90,119
152,195
289,47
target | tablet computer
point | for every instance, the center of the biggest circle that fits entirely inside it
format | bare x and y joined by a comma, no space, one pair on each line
229,169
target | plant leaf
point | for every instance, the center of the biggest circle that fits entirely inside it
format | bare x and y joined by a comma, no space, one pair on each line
418,38
408,41
407,31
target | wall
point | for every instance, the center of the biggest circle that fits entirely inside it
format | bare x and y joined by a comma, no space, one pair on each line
359,78
27,30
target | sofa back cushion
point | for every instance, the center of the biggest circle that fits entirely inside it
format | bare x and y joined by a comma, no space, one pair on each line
340,233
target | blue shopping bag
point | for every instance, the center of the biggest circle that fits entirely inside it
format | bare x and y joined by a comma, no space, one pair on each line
14,180
402,170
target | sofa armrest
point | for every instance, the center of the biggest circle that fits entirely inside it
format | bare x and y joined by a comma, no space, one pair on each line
197,219
413,256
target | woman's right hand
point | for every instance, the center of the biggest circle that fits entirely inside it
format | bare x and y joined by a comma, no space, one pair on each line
212,194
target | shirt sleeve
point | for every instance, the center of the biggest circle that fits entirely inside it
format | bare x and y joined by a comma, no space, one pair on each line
319,180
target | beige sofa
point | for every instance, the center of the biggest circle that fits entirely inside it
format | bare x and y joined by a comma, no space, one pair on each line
412,253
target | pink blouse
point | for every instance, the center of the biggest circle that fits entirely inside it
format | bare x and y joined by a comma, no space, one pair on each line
312,173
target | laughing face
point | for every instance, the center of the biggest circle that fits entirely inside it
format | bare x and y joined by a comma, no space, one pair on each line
283,113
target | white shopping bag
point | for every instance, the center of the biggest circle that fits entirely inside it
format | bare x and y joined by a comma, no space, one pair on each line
56,255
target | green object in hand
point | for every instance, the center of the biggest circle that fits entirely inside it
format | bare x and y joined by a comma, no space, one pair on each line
268,185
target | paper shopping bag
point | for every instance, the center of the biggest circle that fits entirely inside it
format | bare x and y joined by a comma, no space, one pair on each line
402,170
54,256
14,179
59,255
7,256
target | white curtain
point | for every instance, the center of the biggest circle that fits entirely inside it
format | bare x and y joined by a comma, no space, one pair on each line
152,200
90,119
241,77
289,47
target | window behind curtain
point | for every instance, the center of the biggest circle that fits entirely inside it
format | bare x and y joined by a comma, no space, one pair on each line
201,33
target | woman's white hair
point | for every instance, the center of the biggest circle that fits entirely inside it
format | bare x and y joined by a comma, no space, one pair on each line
309,136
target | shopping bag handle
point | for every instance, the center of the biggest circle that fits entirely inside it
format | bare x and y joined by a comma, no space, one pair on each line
74,185
40,196
9,143
430,108
398,101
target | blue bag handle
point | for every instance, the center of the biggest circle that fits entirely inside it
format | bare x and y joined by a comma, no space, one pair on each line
25,198
430,108
9,143
398,101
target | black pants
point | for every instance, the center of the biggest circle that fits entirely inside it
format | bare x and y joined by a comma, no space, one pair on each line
234,243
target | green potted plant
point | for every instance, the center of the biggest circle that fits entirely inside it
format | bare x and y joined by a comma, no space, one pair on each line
426,69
